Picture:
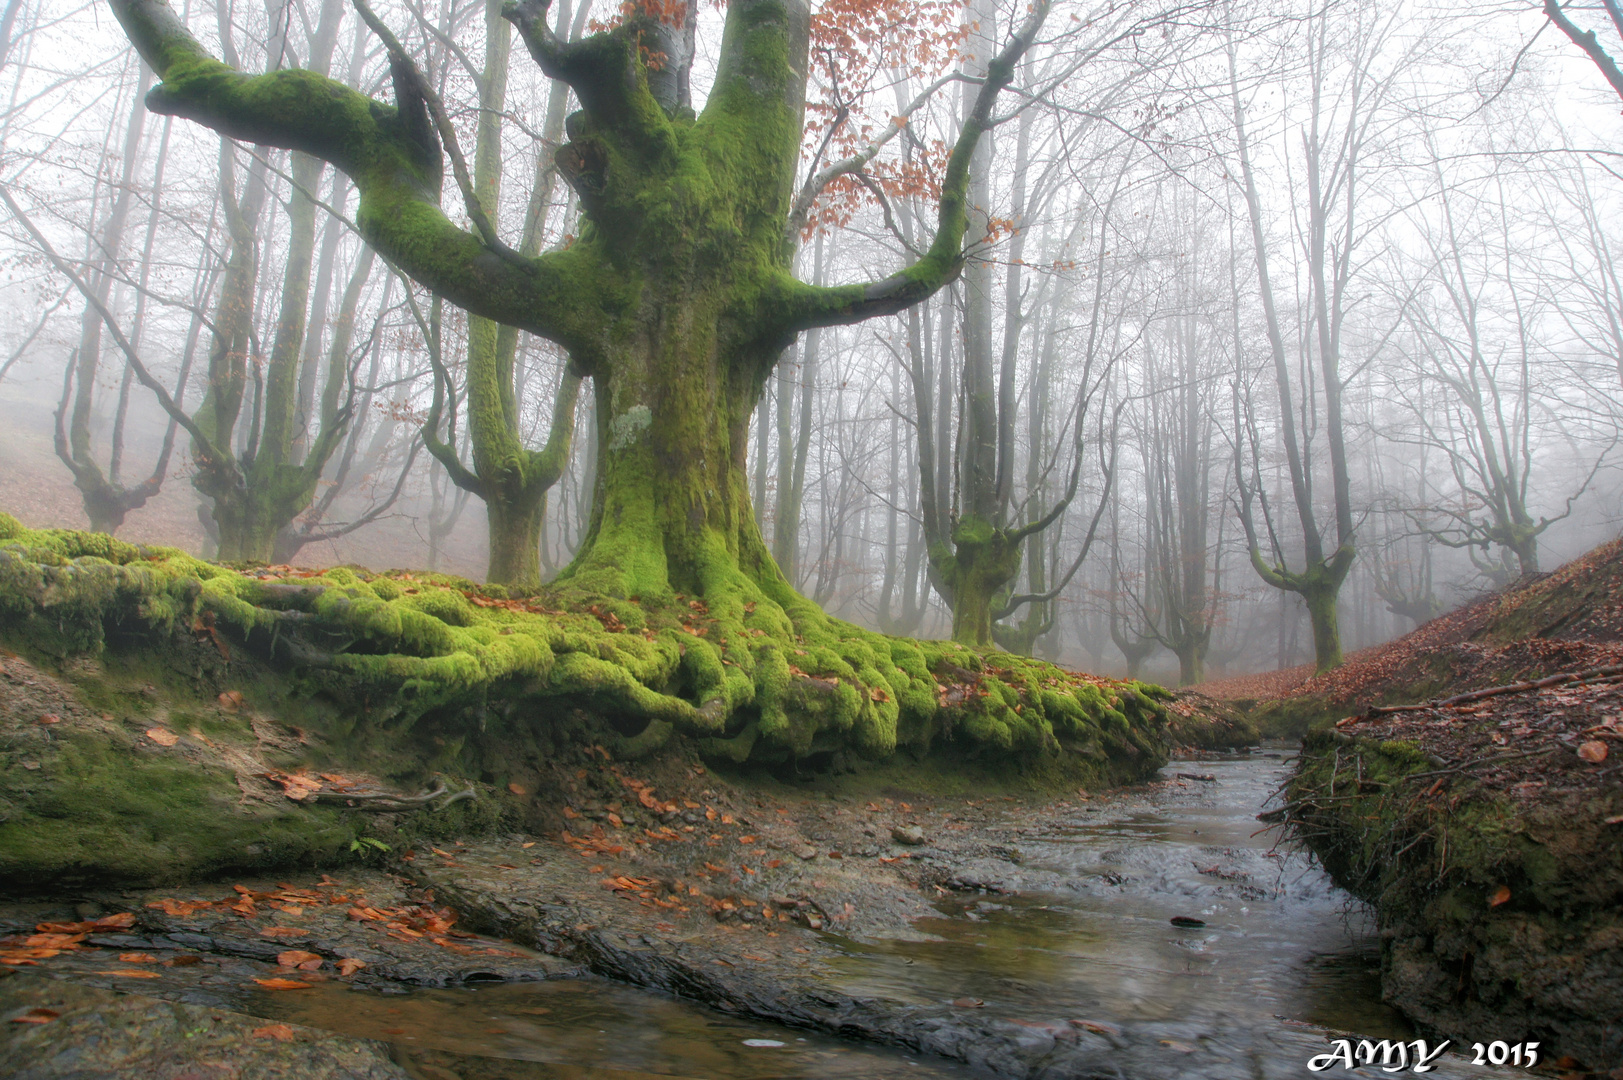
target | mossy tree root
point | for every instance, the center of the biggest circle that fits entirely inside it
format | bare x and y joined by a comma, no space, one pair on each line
754,671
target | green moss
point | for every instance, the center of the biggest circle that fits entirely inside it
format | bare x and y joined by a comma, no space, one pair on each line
98,810
757,668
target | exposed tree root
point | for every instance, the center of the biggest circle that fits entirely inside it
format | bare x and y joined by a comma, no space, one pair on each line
753,671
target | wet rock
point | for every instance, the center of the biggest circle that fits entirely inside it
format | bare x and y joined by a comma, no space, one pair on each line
73,1032
912,835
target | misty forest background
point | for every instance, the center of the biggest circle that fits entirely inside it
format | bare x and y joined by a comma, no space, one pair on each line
1300,278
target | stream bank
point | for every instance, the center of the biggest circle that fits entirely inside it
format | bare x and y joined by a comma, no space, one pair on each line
1022,938
1466,781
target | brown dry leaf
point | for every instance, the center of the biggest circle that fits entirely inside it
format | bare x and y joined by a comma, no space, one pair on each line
349,965
969,1003
137,958
122,921
528,844
614,819
746,839
48,719
132,974
231,700
282,984
296,786
1501,895
517,789
295,957
279,1032
1593,751
162,736
38,1015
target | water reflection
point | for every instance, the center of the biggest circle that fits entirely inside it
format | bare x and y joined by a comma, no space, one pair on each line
569,1029
1279,941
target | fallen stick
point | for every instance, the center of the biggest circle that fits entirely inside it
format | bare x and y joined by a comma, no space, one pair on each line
1601,674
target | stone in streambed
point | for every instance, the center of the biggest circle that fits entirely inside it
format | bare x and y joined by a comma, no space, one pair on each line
911,835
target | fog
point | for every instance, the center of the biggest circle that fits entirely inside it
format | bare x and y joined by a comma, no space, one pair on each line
1241,280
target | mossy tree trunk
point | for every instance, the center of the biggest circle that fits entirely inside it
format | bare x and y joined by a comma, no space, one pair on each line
256,482
1331,184
676,300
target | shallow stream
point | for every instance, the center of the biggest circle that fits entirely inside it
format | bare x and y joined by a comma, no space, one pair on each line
1087,937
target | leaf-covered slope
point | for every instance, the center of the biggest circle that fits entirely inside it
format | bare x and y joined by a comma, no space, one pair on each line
1568,620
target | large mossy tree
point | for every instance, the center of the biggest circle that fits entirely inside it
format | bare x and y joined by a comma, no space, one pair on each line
678,297
676,301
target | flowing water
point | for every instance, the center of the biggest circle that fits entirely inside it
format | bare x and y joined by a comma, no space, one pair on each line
1279,940
1088,937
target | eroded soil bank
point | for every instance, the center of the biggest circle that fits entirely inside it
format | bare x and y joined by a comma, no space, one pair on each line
1467,781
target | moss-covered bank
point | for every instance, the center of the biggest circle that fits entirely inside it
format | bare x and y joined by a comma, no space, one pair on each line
409,675
1499,895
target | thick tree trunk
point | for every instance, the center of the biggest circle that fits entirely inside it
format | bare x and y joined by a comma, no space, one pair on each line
1321,609
983,562
1191,662
673,515
515,537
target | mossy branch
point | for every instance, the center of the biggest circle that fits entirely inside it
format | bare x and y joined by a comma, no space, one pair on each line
554,296
810,306
411,86
605,70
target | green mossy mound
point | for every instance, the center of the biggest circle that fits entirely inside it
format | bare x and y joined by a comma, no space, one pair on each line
401,646
414,675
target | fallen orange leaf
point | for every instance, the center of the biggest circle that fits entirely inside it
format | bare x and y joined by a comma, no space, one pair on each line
39,1015
282,984
162,736
1500,895
1593,751
295,957
517,789
132,974
137,958
349,965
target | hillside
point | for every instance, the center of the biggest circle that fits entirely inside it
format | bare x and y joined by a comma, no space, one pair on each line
1569,620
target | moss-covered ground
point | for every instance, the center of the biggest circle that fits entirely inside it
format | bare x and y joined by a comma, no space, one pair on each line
418,680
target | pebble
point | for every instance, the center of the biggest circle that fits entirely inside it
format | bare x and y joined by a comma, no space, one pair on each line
911,835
